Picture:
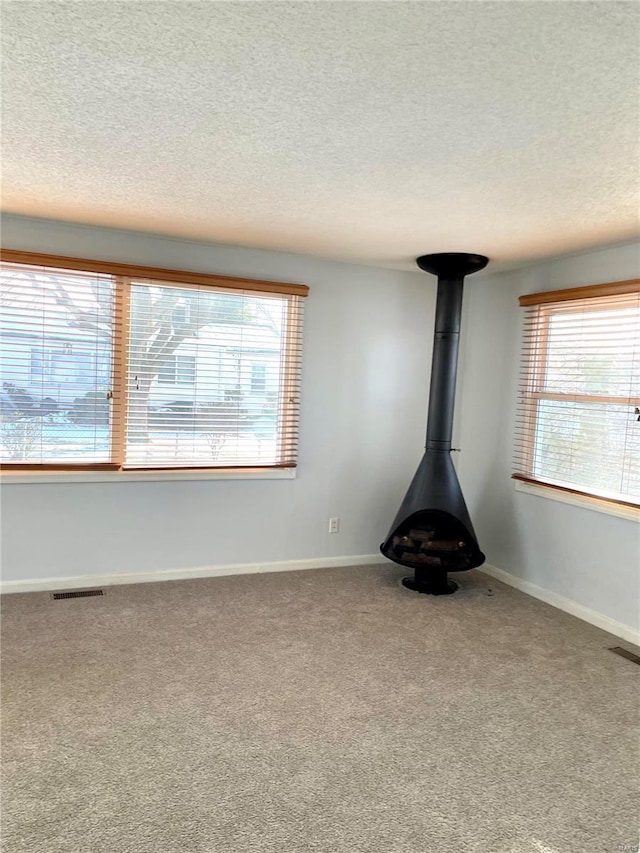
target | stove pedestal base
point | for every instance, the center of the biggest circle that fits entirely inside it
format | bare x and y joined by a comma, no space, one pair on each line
430,582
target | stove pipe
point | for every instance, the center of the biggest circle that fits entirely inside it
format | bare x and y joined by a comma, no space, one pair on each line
432,532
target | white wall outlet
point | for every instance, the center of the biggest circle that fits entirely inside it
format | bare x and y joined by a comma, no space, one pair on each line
334,525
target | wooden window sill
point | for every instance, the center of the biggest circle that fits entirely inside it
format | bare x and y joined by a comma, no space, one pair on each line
583,501
21,478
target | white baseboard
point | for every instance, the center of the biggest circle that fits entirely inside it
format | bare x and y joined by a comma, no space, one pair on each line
619,629
85,581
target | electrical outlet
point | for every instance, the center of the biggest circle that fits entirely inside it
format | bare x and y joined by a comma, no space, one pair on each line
334,525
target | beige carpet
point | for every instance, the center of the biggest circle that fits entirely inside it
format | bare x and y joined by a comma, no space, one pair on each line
325,710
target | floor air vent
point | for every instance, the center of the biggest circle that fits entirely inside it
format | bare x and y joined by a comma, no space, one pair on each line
78,593
625,653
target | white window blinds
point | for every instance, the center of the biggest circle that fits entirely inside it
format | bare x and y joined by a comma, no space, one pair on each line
577,424
56,359
106,365
192,399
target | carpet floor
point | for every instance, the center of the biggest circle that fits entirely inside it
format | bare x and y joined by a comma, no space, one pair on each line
328,710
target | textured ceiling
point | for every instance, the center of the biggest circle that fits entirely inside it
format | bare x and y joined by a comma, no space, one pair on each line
356,130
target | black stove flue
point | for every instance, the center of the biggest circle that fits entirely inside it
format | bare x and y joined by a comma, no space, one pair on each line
432,532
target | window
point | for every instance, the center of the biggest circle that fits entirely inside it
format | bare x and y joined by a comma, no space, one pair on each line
178,370
111,366
578,424
258,378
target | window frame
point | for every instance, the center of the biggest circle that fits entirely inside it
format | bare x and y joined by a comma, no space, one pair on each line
123,275
528,405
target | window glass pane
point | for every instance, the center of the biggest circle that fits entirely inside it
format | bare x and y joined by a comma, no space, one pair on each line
258,377
185,369
56,330
193,395
579,388
591,352
591,446
167,371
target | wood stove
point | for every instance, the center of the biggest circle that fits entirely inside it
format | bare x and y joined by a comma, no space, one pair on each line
432,532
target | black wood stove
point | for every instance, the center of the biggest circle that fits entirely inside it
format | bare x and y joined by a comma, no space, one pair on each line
432,532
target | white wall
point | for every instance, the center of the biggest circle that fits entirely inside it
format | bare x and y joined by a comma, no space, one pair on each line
367,357
367,351
585,556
